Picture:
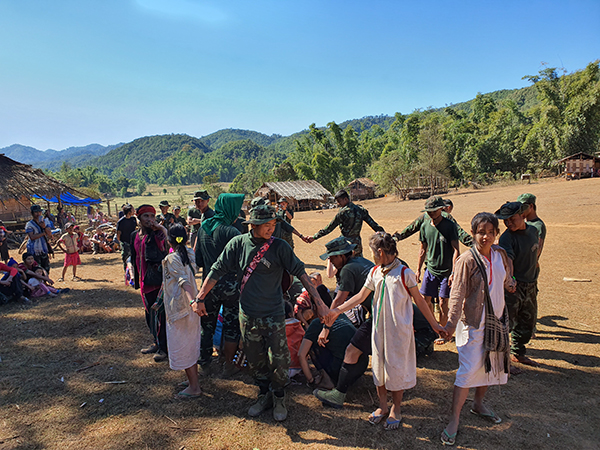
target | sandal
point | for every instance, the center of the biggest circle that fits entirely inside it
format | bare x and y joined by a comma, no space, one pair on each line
76,279
374,419
439,341
60,280
491,416
392,424
447,438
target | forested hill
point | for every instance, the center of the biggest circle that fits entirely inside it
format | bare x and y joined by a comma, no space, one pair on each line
127,159
220,138
525,99
53,159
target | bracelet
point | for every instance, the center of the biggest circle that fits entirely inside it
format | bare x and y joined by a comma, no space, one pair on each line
326,327
196,300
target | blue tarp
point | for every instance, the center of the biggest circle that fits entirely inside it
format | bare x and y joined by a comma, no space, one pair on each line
69,199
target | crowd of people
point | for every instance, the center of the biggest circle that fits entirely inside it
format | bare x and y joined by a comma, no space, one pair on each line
256,296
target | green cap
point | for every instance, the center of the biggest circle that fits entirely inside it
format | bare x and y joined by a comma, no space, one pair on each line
338,246
508,210
527,198
434,203
261,214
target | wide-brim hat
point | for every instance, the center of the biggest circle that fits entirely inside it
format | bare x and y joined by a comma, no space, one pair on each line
201,195
164,203
508,210
337,246
283,200
261,214
257,201
434,203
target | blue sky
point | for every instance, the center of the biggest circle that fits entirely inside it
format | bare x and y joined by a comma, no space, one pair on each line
76,72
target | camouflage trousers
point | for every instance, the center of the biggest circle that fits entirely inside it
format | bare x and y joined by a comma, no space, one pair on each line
265,346
522,314
225,293
358,241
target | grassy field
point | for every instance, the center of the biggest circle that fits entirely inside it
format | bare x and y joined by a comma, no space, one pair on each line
175,195
60,359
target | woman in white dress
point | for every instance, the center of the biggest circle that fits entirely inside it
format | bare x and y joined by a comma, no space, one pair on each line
183,325
481,334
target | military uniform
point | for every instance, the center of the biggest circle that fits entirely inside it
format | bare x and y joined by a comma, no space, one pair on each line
350,219
262,314
285,234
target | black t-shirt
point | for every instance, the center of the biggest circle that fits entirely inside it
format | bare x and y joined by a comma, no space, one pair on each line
352,276
126,227
340,335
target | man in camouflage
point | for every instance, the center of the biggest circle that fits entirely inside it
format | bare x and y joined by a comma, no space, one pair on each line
260,261
522,245
350,219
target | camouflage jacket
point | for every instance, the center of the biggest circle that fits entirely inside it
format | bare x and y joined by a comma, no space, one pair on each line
350,219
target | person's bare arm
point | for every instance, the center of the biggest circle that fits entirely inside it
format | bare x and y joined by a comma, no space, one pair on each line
198,306
305,346
346,306
422,251
456,254
340,298
322,309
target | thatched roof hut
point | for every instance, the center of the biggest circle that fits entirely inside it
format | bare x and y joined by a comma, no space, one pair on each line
20,183
301,194
362,188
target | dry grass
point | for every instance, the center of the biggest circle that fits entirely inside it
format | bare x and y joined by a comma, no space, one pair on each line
101,321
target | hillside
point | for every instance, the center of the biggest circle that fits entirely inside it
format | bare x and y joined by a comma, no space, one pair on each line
53,159
127,159
220,138
525,98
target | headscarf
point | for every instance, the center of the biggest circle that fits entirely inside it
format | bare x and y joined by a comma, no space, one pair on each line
227,210
145,209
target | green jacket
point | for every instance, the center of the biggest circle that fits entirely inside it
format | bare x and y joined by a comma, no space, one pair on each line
464,237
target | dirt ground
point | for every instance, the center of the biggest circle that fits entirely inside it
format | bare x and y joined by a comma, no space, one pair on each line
50,397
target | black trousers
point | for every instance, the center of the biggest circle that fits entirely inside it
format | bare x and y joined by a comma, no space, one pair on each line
156,320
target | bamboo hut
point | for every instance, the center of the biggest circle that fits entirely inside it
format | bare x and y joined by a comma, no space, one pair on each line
21,183
302,195
362,189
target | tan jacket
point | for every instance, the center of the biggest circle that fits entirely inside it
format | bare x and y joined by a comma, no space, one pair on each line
467,295
175,276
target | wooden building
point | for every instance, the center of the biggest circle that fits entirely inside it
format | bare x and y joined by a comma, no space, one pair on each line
580,165
302,195
362,188
20,184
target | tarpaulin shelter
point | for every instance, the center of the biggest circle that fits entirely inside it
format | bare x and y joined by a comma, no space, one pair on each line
70,199
21,182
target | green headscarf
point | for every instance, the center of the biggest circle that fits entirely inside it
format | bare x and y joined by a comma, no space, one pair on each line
227,210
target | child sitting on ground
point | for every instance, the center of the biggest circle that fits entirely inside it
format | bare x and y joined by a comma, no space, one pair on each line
68,244
38,288
294,333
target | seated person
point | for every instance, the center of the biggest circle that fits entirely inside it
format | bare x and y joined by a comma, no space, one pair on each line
294,333
29,267
304,309
99,243
326,348
10,284
38,288
112,244
86,244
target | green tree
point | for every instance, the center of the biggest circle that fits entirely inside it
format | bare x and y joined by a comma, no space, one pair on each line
141,187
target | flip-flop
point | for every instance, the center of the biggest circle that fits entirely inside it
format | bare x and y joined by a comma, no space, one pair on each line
185,395
440,341
490,417
184,383
392,424
447,438
375,419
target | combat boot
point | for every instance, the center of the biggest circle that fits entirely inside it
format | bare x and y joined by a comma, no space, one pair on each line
279,409
333,398
264,402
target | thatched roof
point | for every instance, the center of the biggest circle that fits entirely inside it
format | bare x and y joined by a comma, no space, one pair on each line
20,180
364,181
298,190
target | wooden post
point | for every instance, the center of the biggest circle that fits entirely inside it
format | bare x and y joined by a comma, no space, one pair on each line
108,204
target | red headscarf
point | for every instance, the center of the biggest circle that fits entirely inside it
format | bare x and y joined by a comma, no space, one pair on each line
145,209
